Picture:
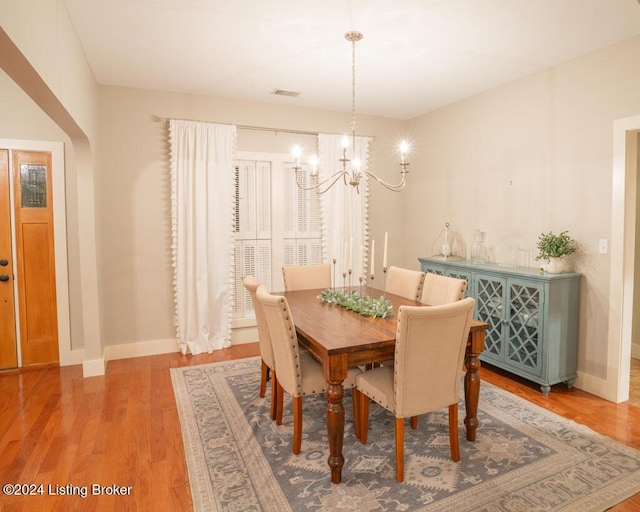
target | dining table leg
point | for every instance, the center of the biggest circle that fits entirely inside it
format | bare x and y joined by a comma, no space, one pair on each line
335,428
472,382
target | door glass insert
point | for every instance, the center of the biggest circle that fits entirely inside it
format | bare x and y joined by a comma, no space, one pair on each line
33,185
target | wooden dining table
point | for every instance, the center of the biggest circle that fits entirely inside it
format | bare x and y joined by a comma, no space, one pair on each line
341,339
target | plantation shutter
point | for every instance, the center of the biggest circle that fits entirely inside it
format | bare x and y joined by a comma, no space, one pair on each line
252,249
302,220
272,230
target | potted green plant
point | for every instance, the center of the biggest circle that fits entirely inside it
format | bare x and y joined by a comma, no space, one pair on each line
553,249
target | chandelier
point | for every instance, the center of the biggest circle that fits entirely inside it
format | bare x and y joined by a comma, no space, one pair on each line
350,168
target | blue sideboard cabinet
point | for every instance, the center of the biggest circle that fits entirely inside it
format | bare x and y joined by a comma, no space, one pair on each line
532,317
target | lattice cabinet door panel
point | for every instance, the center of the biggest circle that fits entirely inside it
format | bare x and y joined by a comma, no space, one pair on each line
462,274
490,295
524,326
434,269
443,270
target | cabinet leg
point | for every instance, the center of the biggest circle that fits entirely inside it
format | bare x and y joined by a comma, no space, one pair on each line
545,390
570,383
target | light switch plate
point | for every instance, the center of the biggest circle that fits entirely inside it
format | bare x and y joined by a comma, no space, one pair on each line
603,246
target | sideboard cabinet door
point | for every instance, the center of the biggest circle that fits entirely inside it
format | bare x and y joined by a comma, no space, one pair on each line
524,340
491,307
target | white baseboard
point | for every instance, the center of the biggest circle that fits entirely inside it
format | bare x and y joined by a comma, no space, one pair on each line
595,386
155,347
72,357
242,335
140,348
635,350
96,367
93,368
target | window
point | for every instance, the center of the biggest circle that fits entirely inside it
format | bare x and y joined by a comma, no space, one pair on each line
276,224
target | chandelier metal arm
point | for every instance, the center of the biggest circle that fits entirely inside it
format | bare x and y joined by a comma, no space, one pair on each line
394,188
317,186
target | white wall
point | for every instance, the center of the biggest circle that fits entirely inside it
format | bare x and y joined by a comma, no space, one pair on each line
532,156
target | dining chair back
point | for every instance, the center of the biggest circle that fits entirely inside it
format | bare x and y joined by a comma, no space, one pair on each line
404,282
264,344
298,372
438,289
306,277
426,375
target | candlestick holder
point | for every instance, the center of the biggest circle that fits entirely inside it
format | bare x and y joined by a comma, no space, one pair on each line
350,272
360,279
384,282
344,280
371,286
333,277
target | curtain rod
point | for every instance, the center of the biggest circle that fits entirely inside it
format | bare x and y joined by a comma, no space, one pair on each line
276,130
255,128
242,126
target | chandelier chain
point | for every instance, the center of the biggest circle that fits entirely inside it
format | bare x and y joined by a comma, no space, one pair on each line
353,90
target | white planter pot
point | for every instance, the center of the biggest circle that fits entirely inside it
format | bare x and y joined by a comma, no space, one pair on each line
557,265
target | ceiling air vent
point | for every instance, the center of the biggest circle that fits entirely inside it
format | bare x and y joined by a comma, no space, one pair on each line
281,92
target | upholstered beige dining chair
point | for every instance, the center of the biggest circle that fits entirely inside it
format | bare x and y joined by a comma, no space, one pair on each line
404,282
437,289
264,344
298,372
306,277
426,375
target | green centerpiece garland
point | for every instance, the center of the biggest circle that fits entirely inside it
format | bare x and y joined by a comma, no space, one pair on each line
353,301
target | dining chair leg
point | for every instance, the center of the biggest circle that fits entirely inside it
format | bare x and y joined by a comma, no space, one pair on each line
263,379
355,398
274,395
414,422
279,402
363,420
399,449
297,424
453,432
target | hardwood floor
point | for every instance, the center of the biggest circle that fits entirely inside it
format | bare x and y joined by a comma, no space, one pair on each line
122,429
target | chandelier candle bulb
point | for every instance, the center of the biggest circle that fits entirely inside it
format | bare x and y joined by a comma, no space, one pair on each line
296,154
404,147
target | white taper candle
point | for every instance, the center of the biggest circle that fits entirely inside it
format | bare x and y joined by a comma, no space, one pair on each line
384,254
373,256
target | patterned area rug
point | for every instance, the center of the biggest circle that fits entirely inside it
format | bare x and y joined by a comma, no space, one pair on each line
524,457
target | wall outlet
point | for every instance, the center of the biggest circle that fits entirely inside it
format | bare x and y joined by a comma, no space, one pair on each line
603,246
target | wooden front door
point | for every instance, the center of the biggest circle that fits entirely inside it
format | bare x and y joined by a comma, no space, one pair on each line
34,262
8,349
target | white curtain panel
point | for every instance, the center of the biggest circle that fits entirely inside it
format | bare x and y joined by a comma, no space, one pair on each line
344,211
202,189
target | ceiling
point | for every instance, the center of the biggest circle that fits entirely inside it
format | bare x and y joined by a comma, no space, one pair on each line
416,55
